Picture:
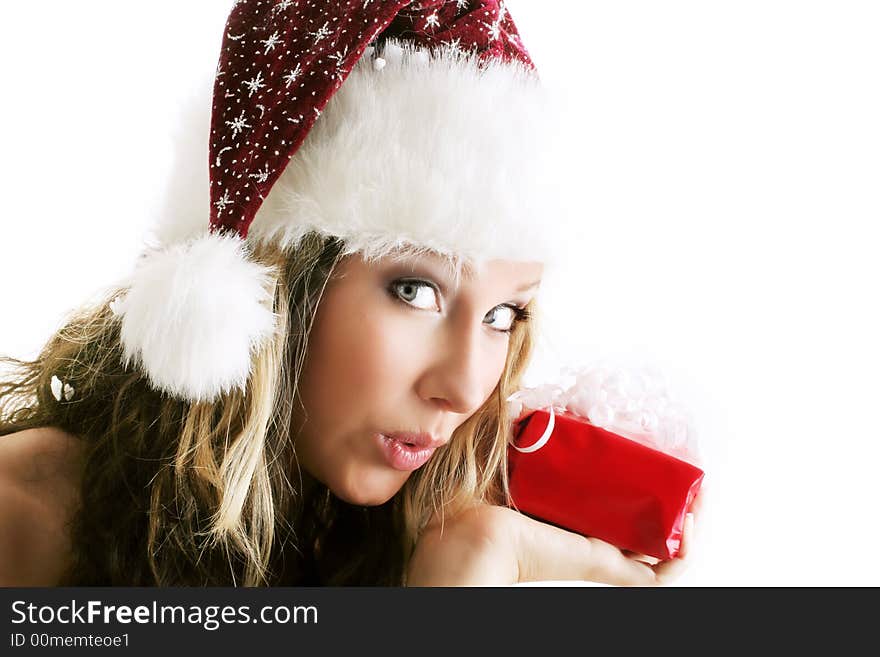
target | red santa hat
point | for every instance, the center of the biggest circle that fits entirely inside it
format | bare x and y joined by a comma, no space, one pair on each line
382,123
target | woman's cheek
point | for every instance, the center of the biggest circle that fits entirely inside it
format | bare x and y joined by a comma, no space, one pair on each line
495,357
389,346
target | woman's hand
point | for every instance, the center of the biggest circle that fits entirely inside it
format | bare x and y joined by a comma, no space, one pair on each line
496,546
546,552
550,553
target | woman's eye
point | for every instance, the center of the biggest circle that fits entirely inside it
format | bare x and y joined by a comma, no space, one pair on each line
425,296
505,315
416,293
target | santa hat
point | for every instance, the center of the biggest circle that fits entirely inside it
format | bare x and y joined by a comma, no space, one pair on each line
382,123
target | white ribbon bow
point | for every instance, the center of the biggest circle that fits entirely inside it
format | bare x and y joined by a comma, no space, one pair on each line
635,405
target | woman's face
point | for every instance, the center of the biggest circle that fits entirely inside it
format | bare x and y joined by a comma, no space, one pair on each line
396,348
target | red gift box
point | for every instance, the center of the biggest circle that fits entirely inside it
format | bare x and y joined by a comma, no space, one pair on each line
597,483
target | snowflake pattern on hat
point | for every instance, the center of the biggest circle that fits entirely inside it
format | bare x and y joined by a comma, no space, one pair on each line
282,61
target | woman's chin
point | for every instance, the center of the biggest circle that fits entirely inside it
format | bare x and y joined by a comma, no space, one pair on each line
367,493
363,499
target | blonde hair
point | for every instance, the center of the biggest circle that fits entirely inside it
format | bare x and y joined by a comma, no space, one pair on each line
176,493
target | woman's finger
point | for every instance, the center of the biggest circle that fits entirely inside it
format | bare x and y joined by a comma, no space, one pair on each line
668,570
638,556
687,534
612,566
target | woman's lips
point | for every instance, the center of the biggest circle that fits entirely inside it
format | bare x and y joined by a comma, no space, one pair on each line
401,456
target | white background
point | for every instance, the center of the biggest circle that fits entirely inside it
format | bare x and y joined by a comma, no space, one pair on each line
728,167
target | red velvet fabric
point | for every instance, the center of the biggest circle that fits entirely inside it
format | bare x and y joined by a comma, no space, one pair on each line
282,60
596,483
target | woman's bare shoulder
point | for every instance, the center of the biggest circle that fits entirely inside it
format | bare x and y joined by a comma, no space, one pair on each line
469,548
487,521
45,463
39,484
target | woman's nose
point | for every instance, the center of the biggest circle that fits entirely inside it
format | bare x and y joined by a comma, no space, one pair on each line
457,373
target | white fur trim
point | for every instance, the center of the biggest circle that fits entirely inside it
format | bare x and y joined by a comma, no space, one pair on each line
429,152
193,315
432,152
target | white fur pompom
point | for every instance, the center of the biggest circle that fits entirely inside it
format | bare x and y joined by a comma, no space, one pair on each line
193,315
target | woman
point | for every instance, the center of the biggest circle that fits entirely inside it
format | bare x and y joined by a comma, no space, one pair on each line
313,391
